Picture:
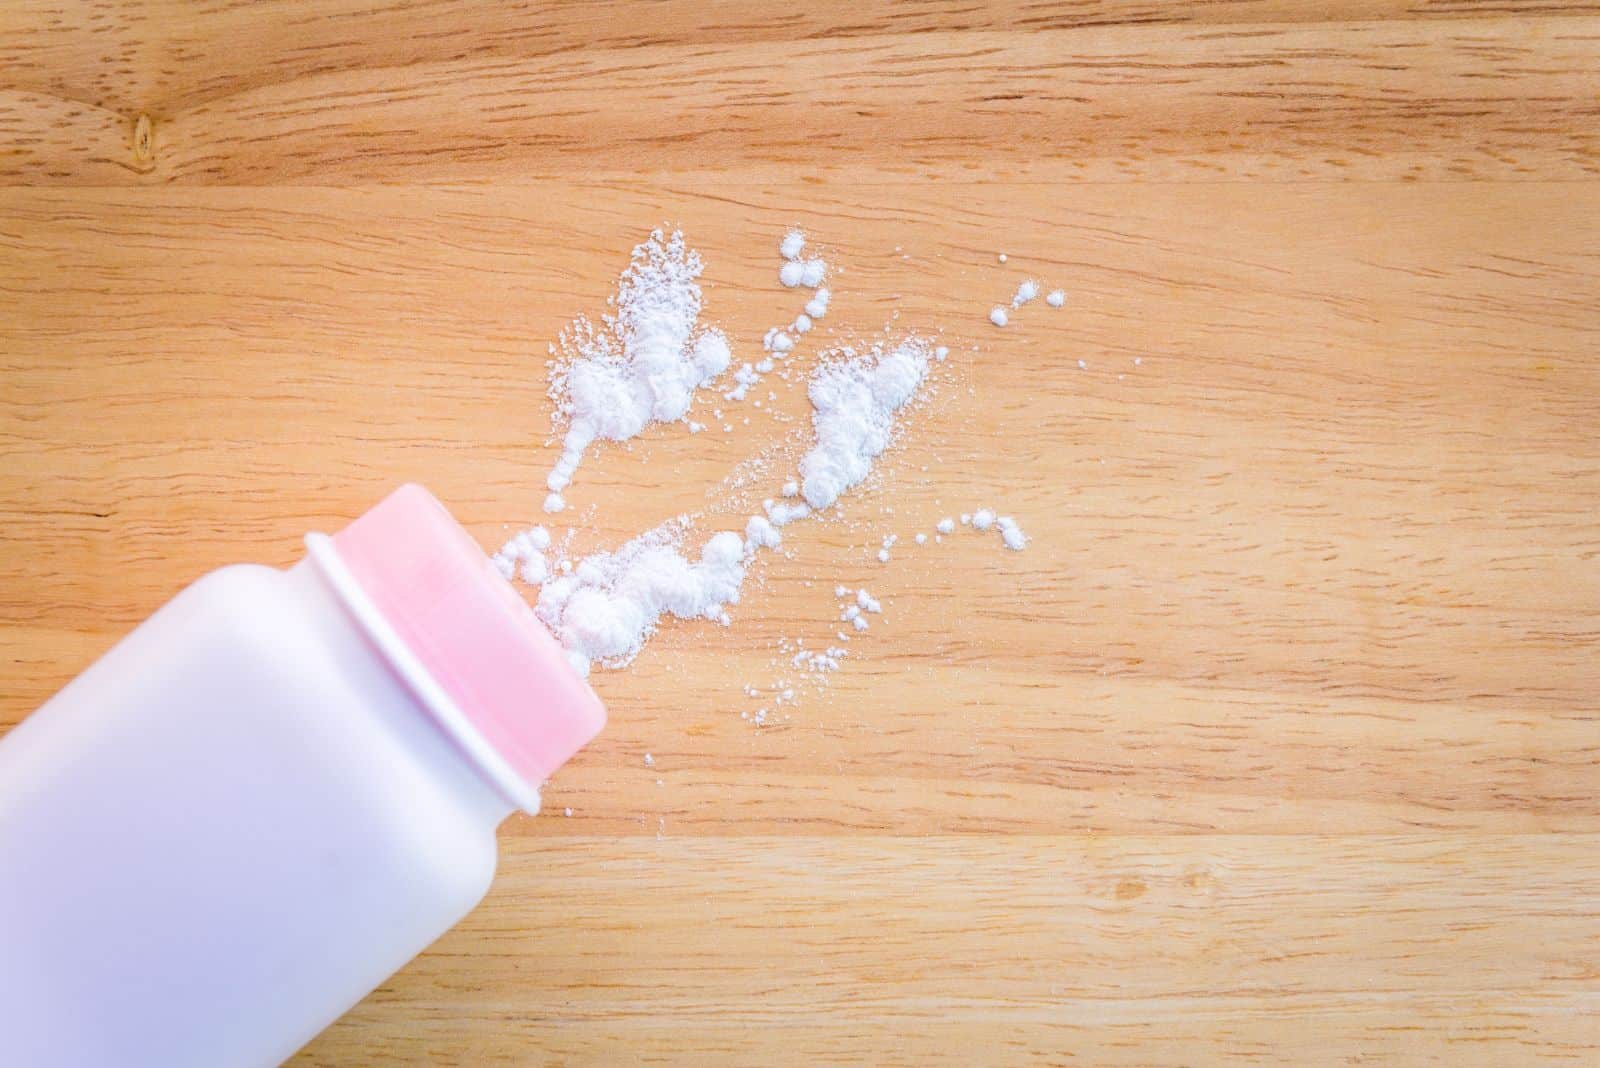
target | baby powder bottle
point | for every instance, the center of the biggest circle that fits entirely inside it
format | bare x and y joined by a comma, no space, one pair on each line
270,796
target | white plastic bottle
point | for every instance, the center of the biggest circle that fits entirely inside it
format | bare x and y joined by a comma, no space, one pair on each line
270,796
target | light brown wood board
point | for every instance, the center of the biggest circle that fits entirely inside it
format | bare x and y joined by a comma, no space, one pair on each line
1280,744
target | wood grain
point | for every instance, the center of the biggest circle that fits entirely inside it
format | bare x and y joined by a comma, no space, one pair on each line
1279,744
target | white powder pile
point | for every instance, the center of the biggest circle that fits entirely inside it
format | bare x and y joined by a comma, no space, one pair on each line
642,365
523,556
817,306
1025,292
998,316
855,400
1056,298
611,603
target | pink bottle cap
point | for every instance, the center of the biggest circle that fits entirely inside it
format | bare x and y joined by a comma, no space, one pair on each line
473,633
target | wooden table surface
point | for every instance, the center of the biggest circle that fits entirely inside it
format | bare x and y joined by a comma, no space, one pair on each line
1281,742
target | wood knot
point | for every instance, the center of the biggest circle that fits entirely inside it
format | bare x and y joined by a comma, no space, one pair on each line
1128,889
144,141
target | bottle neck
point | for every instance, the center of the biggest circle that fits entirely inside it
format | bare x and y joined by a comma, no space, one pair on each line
429,723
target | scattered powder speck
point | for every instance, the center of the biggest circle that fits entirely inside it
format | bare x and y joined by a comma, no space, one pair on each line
982,519
998,316
567,812
782,514
791,273
1012,534
793,243
947,525
1083,365
1025,292
941,352
1002,257
649,761
1056,298
554,502
867,603
922,539
817,306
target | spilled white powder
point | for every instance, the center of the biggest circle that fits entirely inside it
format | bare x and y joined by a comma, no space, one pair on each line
761,533
1056,298
523,556
782,514
642,364
780,341
998,316
651,354
855,399
612,602
1002,257
609,605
